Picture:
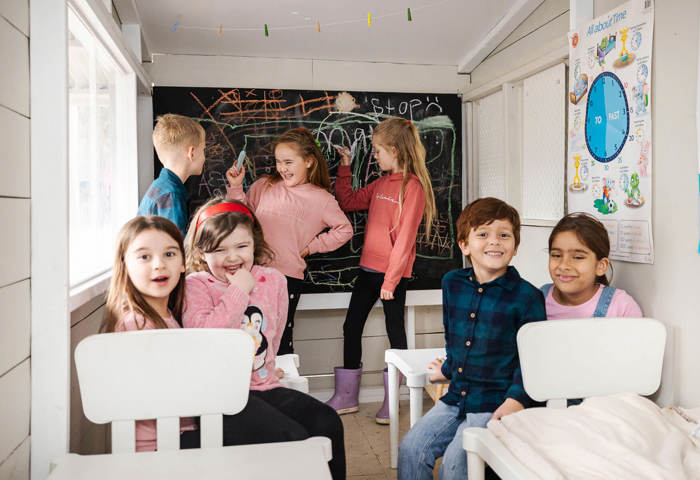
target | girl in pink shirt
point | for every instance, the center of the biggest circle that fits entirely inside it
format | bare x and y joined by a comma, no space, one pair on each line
146,292
578,261
297,213
397,202
228,287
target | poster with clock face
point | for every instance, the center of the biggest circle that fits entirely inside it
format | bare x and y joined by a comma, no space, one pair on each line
610,143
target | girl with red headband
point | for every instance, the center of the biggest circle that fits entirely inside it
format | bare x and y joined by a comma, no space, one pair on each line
228,286
298,213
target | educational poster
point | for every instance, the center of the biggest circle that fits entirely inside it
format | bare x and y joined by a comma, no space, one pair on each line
609,155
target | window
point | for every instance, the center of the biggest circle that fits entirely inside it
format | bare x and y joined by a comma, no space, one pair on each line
101,146
519,148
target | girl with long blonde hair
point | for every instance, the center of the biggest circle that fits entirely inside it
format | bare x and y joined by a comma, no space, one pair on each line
397,202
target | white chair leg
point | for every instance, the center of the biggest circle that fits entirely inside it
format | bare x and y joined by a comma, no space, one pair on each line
476,468
393,414
416,402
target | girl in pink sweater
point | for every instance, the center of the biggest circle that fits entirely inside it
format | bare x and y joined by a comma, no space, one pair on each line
295,207
146,292
397,202
228,287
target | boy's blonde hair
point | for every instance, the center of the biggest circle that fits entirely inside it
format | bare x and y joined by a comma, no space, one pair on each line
173,132
403,135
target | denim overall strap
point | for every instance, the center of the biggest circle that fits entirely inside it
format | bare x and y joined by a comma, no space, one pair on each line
546,288
601,310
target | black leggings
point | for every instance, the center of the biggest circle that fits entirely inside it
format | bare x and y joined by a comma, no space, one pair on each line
281,415
364,295
294,286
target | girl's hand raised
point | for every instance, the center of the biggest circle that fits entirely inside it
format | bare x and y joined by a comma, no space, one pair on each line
344,153
234,176
243,279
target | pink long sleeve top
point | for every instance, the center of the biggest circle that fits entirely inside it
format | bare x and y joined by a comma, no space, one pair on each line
292,219
211,303
146,429
389,246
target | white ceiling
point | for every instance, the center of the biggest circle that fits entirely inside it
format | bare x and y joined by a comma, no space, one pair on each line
442,32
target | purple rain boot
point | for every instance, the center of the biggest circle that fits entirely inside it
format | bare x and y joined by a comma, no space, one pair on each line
347,390
382,416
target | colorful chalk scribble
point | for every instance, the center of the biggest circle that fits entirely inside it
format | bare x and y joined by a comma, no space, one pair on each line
236,119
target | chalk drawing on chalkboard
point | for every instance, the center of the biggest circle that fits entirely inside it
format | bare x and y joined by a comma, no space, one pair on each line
249,119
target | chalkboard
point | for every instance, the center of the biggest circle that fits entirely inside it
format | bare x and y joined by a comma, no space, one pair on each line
239,118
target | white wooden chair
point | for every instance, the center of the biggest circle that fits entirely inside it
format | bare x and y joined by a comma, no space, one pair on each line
564,359
172,373
290,364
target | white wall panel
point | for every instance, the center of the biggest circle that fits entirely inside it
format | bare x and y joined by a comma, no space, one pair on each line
16,466
14,138
14,241
490,141
17,13
15,325
243,72
14,58
14,408
385,77
543,144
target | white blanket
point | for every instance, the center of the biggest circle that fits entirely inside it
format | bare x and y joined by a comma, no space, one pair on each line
619,437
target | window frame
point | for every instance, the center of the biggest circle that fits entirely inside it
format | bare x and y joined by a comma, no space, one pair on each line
51,298
511,86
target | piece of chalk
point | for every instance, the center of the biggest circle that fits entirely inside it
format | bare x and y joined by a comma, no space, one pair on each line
239,162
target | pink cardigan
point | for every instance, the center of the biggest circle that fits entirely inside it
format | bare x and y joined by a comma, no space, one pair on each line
146,429
211,303
292,217
389,247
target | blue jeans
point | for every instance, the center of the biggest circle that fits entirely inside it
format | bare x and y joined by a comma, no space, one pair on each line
437,434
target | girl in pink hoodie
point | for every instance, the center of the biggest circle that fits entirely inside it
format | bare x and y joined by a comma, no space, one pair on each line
227,286
297,212
397,202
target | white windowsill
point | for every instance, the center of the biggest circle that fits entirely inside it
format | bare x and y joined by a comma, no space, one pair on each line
88,290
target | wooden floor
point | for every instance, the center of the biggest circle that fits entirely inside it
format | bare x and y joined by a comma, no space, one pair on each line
367,442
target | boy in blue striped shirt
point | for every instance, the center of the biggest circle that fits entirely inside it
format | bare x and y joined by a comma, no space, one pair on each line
179,143
483,308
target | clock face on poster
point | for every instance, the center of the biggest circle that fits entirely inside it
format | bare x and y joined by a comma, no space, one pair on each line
607,117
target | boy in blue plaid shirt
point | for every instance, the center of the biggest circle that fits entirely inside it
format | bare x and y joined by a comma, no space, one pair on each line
483,308
179,142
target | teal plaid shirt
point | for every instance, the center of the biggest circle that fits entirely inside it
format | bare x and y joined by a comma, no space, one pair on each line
481,322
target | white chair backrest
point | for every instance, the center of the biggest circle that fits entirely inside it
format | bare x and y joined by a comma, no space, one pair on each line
164,374
563,359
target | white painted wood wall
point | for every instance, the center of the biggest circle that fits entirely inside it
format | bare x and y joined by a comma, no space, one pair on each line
15,320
